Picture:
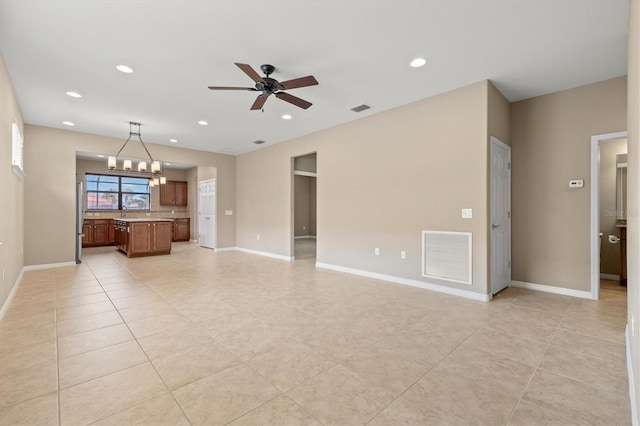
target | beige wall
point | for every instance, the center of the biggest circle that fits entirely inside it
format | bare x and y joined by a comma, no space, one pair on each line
302,209
50,190
550,139
417,166
306,163
11,191
633,200
609,252
499,115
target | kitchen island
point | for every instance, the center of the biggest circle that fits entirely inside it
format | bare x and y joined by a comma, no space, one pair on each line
138,237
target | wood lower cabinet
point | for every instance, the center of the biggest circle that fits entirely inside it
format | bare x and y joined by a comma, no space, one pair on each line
96,232
148,238
181,229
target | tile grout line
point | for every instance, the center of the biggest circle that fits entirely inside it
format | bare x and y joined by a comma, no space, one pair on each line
148,360
55,318
535,370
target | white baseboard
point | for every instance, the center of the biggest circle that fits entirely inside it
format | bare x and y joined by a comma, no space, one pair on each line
610,277
632,383
552,289
48,266
301,237
7,302
264,253
405,281
226,249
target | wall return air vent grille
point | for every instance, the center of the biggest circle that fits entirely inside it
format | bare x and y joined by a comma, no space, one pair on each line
447,256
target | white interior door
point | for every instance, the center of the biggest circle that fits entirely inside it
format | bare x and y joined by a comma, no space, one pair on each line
500,215
207,213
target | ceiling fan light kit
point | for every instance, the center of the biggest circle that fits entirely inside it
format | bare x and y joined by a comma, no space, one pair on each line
270,86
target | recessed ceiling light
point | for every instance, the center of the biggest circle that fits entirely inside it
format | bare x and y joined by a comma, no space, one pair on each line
286,117
202,123
100,156
418,62
74,94
68,123
125,69
173,140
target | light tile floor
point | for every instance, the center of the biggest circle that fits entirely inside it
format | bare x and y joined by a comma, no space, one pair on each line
209,337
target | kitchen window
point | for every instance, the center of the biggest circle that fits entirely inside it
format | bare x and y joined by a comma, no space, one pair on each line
108,192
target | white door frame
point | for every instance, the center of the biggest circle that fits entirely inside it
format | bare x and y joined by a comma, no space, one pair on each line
506,147
215,200
595,208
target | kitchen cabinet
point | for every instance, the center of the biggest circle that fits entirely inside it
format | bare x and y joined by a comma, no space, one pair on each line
143,237
174,193
96,232
181,229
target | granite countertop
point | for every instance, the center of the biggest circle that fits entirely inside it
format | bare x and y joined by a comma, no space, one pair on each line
142,219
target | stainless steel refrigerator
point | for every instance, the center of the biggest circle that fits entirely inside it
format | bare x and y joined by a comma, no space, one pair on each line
79,221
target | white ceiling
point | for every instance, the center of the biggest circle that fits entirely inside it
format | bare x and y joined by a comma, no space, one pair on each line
358,50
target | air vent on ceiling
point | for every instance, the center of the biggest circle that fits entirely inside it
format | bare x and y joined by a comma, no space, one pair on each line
360,108
258,142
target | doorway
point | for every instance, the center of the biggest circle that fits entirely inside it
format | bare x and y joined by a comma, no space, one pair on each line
304,207
500,215
207,213
608,215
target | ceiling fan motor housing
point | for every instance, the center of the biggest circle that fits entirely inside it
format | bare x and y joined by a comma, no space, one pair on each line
267,69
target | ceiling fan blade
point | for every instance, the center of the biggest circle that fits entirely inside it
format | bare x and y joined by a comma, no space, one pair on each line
293,100
259,102
232,88
253,75
299,82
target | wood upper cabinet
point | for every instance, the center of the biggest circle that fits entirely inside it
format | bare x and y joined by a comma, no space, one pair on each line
174,193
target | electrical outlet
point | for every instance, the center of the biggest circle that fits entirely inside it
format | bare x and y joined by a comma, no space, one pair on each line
257,236
228,212
576,183
403,254
376,251
467,213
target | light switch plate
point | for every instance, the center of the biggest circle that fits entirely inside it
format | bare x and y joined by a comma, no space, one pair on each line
467,213
576,183
228,212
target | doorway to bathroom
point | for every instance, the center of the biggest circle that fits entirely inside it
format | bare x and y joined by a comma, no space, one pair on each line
304,207
608,215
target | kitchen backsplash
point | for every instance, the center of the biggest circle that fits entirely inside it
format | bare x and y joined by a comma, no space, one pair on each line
110,214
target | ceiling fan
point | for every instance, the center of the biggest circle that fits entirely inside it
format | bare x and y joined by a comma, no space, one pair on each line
270,86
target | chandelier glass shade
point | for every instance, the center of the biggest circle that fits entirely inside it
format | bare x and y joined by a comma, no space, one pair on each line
154,170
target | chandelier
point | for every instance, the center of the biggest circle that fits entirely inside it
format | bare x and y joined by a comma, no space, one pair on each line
154,175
